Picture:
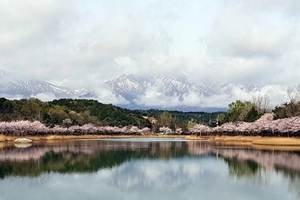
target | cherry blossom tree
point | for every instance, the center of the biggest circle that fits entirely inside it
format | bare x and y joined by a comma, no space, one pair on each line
264,126
146,130
165,129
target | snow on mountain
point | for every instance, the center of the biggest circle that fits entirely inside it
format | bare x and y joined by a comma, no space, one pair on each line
25,88
177,93
131,87
128,87
171,86
136,92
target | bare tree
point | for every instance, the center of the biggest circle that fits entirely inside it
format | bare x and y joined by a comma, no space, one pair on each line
262,103
67,122
294,93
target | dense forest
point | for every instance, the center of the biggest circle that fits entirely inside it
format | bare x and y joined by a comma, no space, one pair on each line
79,112
83,116
67,112
255,118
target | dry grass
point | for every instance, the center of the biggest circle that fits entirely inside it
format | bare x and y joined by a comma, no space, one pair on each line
4,138
229,140
278,141
257,140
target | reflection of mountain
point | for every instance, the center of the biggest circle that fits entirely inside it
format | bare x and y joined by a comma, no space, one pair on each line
91,155
139,170
82,156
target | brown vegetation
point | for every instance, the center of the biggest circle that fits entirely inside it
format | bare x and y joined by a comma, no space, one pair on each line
5,138
255,140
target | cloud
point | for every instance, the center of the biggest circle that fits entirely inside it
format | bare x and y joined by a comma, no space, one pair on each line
276,93
32,41
287,7
242,32
45,96
250,40
81,44
154,98
104,95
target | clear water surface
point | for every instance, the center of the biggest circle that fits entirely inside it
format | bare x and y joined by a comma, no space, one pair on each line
146,169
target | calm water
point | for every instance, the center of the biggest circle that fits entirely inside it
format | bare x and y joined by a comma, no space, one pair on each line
146,169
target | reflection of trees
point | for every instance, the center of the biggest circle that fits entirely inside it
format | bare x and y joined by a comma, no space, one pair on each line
88,156
82,156
294,177
255,164
247,161
264,158
242,169
295,185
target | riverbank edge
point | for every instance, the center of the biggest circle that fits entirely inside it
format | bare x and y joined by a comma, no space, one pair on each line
40,138
236,140
250,140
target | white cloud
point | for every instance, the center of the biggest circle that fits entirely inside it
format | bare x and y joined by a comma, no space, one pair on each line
45,96
83,44
106,96
242,32
153,98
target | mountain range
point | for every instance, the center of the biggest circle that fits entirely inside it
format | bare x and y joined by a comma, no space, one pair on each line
134,88
139,92
11,86
131,87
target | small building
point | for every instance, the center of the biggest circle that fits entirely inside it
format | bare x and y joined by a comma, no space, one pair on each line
152,120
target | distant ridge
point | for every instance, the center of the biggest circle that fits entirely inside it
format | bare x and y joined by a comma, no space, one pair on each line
139,92
132,87
25,88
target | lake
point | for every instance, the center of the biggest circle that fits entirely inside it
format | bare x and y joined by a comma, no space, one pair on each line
146,169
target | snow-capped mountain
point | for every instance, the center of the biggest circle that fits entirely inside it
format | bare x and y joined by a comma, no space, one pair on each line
128,86
131,87
136,92
175,93
25,88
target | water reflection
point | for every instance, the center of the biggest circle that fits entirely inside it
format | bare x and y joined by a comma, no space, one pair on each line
163,169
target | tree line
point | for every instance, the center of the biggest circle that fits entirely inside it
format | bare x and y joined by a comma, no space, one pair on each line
252,110
79,116
84,116
256,118
68,112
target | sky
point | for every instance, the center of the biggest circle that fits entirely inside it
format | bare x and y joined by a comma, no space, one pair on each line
85,43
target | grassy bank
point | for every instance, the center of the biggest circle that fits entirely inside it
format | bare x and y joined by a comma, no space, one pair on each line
257,140
4,138
230,140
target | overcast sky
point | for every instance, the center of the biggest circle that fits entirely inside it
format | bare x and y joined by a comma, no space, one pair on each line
84,43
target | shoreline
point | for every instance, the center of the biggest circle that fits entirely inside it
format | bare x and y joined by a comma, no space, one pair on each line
225,140
250,140
41,138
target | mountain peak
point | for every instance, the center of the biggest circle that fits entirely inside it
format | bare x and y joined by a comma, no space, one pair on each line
138,91
132,87
26,88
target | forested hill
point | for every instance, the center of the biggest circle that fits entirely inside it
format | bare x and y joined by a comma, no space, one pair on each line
67,112
182,117
77,111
